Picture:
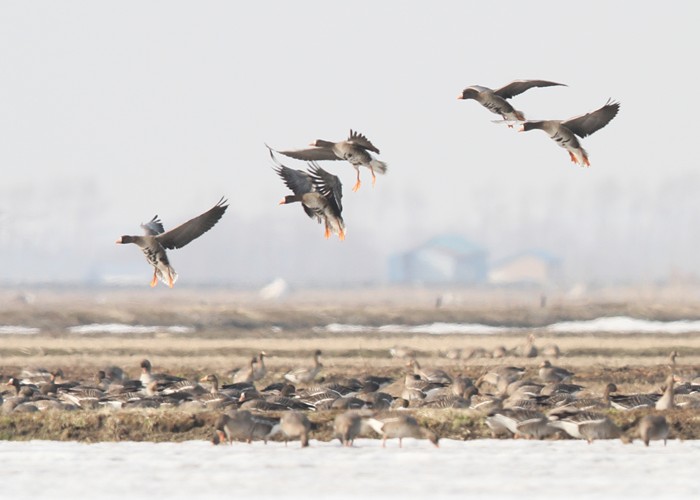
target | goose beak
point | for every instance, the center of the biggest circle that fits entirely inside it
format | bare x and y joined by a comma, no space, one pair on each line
521,128
119,240
460,97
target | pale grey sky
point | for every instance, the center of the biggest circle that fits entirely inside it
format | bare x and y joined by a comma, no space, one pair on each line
111,112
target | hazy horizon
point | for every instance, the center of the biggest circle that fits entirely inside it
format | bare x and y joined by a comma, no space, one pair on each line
112,113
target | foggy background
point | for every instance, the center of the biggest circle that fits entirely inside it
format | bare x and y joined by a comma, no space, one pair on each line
111,113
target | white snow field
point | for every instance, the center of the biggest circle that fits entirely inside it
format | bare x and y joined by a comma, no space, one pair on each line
473,469
614,324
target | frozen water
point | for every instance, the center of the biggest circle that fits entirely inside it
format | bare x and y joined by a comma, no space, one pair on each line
119,328
481,468
18,330
617,324
432,328
624,324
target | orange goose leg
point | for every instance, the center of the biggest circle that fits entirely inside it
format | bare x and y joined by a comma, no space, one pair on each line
170,279
374,177
573,158
357,184
328,232
341,235
154,281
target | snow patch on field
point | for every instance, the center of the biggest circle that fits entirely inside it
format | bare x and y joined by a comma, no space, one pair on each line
617,324
119,328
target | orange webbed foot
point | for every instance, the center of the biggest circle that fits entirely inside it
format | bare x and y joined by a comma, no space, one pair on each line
341,235
356,186
154,281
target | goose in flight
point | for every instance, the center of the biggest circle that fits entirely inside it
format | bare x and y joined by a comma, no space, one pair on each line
356,149
496,101
156,240
319,192
564,132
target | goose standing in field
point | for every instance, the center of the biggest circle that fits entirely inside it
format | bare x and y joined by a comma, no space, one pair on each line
584,424
528,349
347,427
294,424
305,375
653,428
633,401
156,240
551,351
564,132
666,402
590,403
235,425
401,426
215,398
500,377
242,425
260,369
319,192
496,100
357,150
434,375
672,360
521,423
246,374
147,375
549,373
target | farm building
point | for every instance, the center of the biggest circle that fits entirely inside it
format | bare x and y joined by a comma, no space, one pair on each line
445,259
533,267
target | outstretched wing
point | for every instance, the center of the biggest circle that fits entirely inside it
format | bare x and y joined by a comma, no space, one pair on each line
362,141
297,181
154,227
519,86
328,185
193,228
310,154
590,122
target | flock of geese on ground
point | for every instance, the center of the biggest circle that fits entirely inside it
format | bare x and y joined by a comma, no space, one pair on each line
320,193
511,403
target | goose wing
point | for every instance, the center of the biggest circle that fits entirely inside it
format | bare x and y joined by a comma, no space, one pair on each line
311,154
362,141
298,181
154,227
193,228
328,185
585,125
519,86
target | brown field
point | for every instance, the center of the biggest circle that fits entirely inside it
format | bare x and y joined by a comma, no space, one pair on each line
229,326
